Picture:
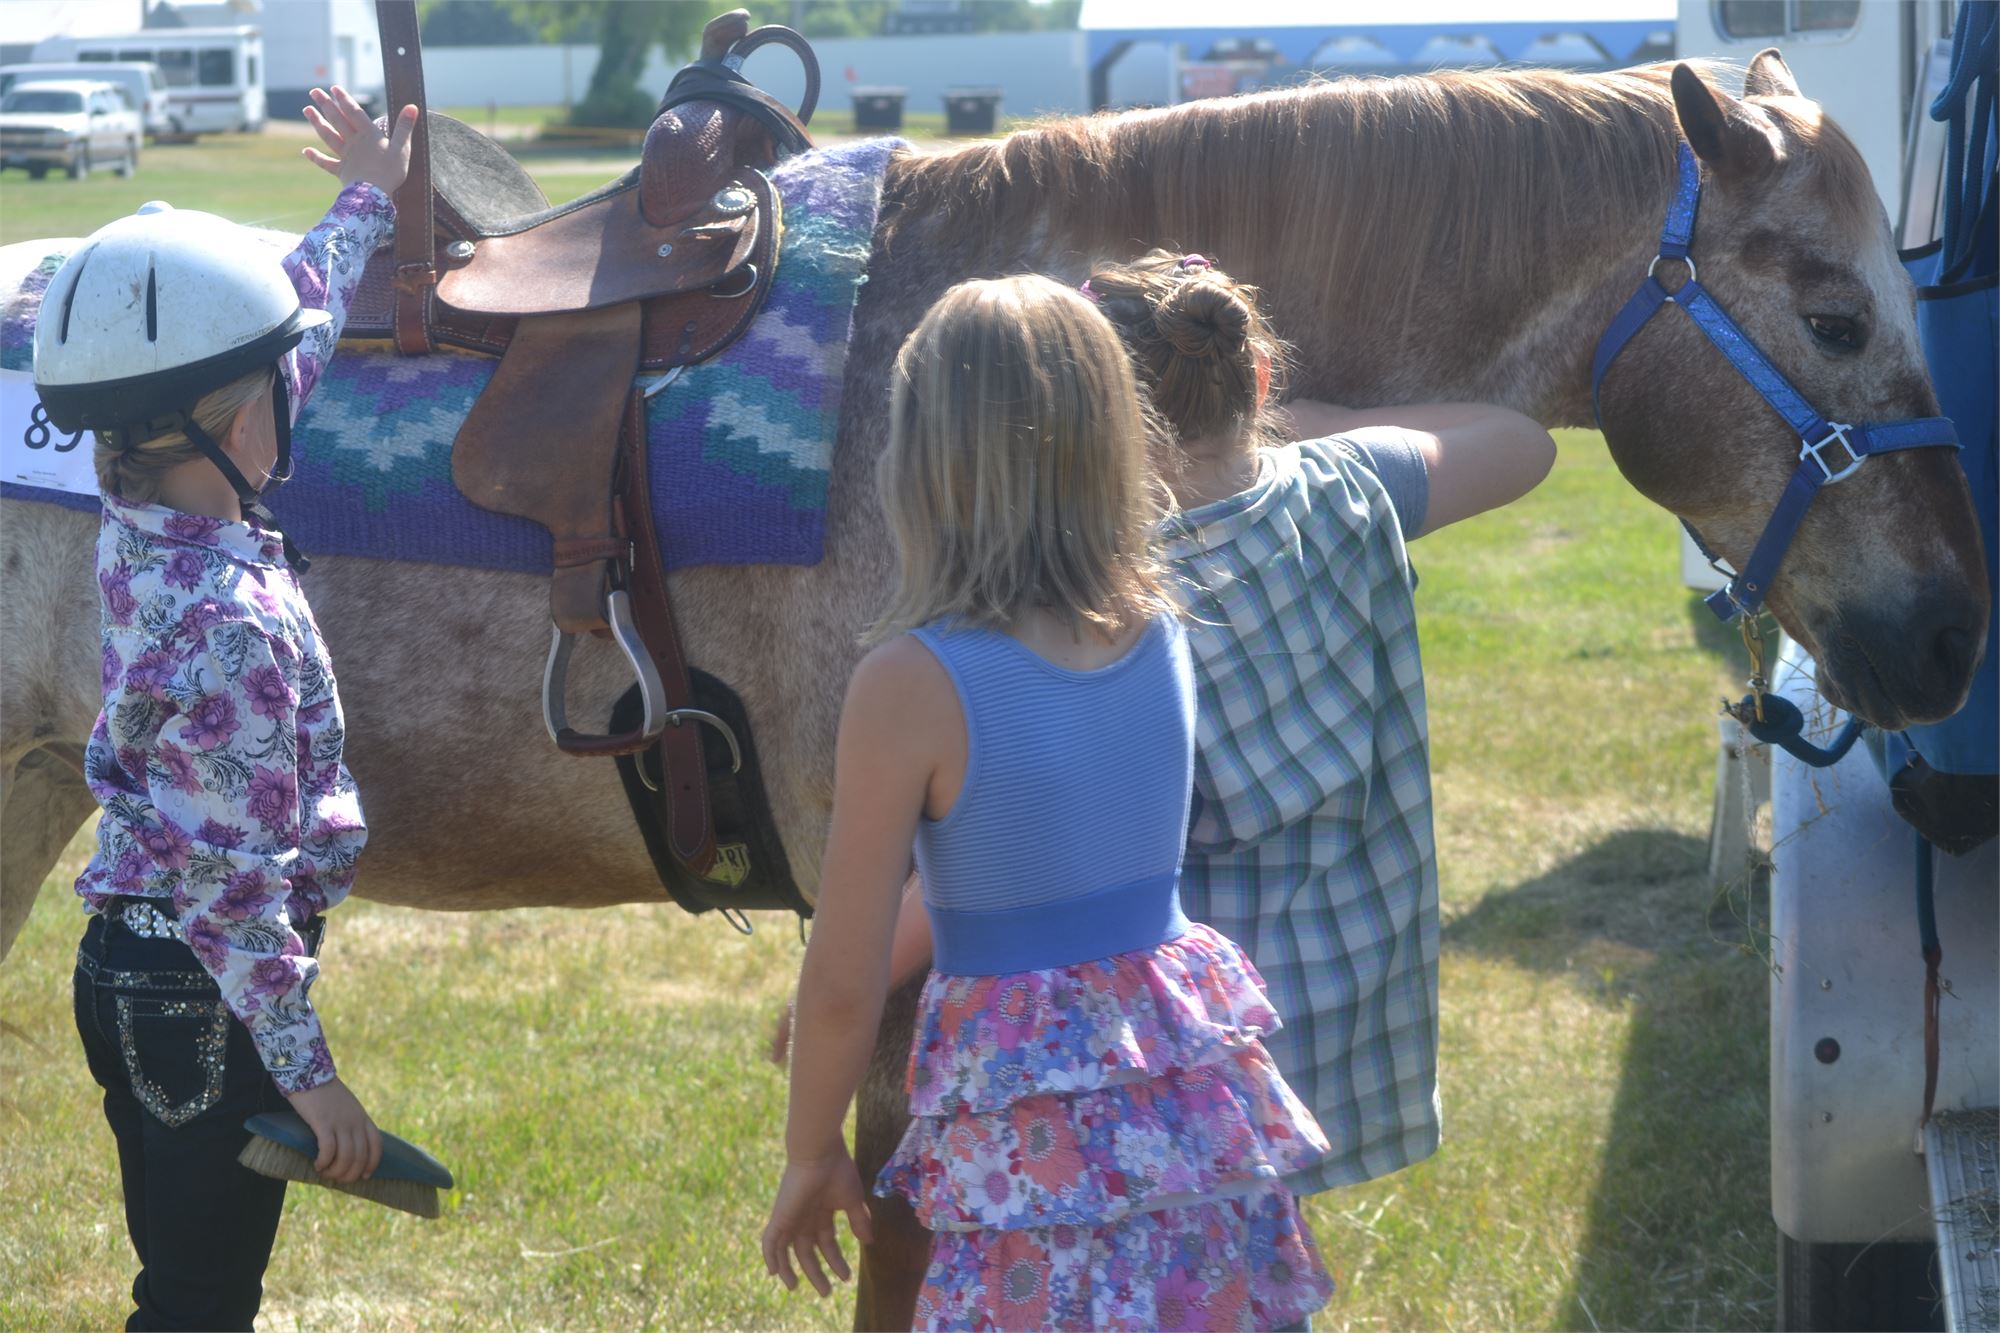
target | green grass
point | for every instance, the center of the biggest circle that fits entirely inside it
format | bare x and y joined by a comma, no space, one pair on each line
595,1080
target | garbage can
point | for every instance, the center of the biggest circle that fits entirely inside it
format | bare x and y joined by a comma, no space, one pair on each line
971,110
879,108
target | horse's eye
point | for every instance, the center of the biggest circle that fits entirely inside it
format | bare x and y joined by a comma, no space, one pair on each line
1835,331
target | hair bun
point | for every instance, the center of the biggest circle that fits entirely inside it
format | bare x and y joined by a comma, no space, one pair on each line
1204,316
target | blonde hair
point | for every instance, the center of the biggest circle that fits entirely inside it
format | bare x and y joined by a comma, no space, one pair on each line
133,471
1196,335
1016,475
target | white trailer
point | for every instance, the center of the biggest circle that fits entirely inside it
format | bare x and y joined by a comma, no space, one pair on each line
317,43
215,76
1880,1224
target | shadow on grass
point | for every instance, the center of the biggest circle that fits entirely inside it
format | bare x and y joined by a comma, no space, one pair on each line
1678,1233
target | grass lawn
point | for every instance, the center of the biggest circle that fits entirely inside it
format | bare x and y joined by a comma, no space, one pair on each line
595,1078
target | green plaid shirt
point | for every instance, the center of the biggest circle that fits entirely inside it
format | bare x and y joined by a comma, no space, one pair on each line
1311,844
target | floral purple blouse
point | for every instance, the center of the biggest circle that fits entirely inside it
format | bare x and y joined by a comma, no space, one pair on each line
217,757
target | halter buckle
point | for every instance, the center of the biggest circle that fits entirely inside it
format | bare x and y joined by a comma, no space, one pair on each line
1836,430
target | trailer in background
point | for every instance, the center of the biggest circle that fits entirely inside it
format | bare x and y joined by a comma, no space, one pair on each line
318,43
214,76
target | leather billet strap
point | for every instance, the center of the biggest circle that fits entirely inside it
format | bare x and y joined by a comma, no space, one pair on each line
690,826
415,246
1830,451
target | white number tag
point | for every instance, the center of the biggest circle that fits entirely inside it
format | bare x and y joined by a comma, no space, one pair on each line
32,451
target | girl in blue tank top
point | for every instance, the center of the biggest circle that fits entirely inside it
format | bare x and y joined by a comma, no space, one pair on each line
1098,1133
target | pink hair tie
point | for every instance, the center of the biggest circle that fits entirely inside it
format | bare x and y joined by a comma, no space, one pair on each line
1095,299
1194,261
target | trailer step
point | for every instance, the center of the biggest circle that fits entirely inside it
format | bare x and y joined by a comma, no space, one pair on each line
1962,1155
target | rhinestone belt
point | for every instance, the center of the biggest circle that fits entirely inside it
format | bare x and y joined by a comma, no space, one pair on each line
148,921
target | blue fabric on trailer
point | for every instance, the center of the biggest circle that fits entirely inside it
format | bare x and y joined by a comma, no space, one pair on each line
1958,318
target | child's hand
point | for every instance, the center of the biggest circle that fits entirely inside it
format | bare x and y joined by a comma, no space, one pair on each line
802,1219
362,151
350,1147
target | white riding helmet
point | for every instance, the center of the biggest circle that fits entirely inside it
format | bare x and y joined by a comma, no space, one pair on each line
156,310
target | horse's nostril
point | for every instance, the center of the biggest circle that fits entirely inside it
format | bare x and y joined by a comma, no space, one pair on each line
1957,650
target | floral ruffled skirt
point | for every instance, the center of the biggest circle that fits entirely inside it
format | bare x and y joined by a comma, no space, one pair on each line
1100,1146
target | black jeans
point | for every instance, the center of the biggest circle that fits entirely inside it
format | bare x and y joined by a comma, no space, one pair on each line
180,1075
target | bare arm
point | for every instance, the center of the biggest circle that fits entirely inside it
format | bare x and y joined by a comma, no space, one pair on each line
911,952
899,702
1478,456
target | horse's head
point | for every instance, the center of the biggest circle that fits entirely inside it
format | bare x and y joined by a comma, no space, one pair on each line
1885,582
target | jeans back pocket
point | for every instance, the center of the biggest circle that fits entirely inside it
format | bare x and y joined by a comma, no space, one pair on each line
174,1052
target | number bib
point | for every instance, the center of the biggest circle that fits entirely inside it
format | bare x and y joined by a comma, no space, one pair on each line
32,451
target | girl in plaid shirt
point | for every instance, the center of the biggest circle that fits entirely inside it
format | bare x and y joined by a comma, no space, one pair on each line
1311,843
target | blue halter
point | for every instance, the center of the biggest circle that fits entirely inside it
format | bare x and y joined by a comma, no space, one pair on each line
1830,451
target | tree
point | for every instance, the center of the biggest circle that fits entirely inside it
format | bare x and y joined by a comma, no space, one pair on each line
628,31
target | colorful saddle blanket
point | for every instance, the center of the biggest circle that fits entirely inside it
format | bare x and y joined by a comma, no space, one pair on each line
741,445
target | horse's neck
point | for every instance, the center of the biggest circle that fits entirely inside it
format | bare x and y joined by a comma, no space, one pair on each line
1521,335
1517,329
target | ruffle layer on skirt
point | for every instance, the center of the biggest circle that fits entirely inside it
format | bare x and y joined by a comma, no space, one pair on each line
1094,1157
986,1042
1238,1263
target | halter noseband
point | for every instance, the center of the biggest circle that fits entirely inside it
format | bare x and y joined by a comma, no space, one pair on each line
1830,451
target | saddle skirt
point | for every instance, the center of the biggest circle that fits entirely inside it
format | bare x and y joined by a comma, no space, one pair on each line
740,446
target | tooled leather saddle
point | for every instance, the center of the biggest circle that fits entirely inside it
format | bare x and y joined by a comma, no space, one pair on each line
593,307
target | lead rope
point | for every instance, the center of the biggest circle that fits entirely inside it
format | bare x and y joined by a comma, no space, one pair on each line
1752,629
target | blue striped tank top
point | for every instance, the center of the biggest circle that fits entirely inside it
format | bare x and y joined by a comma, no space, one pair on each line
1064,844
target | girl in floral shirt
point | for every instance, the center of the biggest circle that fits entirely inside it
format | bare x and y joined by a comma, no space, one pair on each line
230,824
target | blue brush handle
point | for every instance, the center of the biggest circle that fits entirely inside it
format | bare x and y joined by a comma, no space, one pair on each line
401,1159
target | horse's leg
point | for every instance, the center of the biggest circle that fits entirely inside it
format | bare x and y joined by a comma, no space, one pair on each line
42,805
892,1269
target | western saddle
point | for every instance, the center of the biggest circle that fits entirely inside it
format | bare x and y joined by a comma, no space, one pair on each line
656,271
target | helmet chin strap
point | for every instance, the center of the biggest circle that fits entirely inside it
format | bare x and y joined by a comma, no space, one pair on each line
249,497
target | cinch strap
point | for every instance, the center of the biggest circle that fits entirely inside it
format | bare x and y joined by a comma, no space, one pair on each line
1132,916
1829,451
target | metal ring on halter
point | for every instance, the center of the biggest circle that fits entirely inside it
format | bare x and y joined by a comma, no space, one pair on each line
735,751
734,916
555,675
1685,259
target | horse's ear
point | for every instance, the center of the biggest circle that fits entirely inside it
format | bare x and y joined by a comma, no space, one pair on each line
1770,76
1730,139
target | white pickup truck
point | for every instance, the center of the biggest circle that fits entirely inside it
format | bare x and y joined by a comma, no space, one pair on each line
73,125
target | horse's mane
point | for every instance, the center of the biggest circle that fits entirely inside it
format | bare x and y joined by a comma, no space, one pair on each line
1453,170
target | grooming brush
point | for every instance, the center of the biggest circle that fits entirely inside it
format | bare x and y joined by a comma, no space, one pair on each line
283,1147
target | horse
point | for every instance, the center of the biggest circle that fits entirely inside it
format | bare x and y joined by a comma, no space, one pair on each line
1460,235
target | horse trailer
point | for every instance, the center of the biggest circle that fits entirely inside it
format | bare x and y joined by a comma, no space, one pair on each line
214,76
1885,949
